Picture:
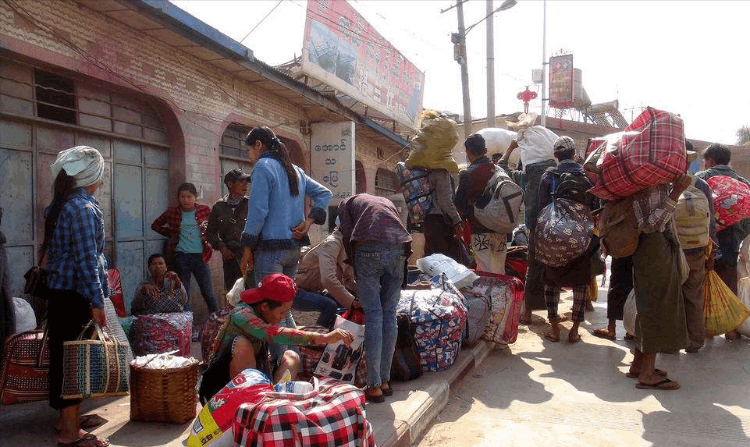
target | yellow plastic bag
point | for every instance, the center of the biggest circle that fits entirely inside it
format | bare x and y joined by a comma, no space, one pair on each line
432,148
722,309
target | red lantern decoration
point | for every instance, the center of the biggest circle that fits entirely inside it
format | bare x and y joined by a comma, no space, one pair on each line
526,96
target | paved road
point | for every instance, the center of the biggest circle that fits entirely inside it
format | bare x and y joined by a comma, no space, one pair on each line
540,393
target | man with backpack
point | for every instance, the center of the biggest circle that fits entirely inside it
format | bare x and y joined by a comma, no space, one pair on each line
489,247
716,159
567,182
529,177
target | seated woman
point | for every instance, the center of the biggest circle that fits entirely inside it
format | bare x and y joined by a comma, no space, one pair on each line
164,293
252,329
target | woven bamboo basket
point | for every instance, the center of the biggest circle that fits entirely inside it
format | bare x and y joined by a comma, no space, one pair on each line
163,395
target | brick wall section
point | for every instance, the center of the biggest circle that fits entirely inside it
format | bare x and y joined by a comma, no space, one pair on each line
200,99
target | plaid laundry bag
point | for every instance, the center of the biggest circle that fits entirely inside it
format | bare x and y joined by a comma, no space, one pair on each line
25,369
333,414
95,366
158,333
649,152
506,295
731,199
438,318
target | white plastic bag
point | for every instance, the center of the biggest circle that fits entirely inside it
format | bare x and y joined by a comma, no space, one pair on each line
743,293
338,360
536,144
497,141
629,314
25,318
233,296
743,264
438,263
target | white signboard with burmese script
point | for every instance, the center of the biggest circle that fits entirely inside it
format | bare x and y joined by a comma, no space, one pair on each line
332,158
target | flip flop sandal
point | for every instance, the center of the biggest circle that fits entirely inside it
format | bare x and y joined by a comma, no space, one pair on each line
87,440
551,337
603,333
658,372
665,384
575,339
88,421
387,391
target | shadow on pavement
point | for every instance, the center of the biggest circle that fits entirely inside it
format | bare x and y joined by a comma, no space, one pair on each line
147,433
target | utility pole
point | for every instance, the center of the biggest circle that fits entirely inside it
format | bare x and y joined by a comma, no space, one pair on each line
490,66
544,65
464,68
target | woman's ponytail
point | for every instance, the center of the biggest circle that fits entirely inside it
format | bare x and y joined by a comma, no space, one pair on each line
279,151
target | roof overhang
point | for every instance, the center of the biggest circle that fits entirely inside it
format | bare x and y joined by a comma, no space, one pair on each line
173,26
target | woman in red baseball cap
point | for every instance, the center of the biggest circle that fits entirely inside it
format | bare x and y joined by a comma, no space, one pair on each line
252,327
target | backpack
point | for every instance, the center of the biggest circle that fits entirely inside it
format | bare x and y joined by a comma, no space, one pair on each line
731,199
572,186
500,203
618,228
692,217
417,190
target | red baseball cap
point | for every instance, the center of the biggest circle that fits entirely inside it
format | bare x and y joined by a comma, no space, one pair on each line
276,287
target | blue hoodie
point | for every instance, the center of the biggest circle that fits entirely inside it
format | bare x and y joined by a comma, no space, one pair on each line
272,212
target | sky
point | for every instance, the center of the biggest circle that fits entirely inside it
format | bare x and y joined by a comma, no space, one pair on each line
681,56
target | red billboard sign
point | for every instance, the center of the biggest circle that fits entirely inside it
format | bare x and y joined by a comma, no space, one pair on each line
561,86
344,51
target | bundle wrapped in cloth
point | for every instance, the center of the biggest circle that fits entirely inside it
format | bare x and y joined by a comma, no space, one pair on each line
432,148
649,152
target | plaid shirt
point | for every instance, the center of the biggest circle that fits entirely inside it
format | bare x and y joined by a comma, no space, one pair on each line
75,257
653,208
168,224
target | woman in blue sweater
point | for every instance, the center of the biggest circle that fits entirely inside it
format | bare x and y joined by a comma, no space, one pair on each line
276,224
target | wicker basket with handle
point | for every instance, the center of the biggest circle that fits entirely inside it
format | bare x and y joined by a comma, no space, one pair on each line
163,395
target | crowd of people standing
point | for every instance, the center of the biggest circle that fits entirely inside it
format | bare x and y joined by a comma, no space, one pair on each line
362,263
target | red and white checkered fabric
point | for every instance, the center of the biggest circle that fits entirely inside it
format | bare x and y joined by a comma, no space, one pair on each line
332,415
650,151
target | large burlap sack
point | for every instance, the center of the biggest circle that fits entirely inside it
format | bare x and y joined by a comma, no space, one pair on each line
432,148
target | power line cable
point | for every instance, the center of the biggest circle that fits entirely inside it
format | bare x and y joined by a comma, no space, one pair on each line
261,21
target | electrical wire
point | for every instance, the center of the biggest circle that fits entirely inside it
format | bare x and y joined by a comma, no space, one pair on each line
261,21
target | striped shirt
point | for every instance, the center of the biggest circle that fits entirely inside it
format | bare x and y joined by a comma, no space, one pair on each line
75,257
653,208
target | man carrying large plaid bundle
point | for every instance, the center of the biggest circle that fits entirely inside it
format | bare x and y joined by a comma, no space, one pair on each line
716,159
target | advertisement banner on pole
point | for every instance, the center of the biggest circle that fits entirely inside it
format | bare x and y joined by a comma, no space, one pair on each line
561,81
344,51
332,158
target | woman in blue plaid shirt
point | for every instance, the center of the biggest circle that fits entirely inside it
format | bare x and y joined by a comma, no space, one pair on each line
74,239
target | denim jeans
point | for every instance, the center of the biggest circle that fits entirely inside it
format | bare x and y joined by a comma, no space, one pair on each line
278,261
380,272
313,302
192,263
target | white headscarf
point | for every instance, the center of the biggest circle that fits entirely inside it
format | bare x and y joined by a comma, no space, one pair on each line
85,164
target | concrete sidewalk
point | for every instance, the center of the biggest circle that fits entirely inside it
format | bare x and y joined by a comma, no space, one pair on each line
398,422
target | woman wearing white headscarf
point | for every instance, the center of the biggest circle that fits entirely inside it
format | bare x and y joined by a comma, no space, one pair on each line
74,240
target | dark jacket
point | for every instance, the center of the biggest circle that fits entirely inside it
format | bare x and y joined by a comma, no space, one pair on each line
225,225
471,184
529,180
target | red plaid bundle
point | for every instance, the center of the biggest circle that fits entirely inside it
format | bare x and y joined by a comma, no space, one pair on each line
731,200
651,151
333,414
